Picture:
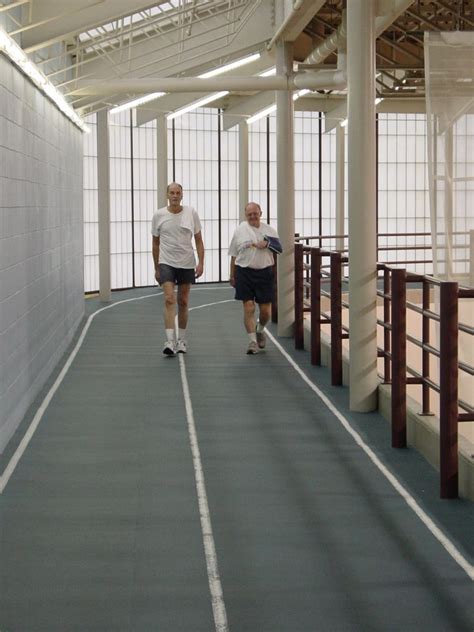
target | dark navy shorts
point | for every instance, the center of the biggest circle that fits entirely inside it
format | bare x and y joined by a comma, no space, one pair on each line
254,285
179,276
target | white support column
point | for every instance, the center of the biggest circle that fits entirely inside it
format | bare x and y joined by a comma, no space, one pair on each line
340,182
448,202
362,210
243,168
103,185
161,159
285,194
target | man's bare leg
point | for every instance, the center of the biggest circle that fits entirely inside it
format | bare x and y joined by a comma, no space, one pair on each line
249,323
183,304
249,316
170,304
169,315
265,311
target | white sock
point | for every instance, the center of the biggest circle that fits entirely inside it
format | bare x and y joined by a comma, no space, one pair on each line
260,327
252,337
169,335
182,334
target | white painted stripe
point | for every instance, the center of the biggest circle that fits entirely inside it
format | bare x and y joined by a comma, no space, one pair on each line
10,468
5,477
407,497
215,586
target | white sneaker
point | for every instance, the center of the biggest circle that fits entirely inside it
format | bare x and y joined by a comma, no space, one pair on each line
181,346
169,348
261,339
252,349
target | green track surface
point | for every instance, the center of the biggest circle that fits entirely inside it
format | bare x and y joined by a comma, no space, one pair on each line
100,527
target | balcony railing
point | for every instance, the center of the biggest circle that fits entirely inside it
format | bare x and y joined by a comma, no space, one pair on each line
314,278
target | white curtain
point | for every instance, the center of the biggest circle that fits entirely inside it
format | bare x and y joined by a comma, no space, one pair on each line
449,71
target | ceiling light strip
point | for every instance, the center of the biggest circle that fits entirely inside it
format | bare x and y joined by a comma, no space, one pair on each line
211,73
272,108
16,54
230,66
197,104
136,102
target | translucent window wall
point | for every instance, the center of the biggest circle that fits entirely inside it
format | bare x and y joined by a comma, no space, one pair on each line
259,168
403,194
307,174
144,200
91,219
204,158
121,203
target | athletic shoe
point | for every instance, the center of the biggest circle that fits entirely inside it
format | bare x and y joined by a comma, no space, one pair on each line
261,339
169,348
252,348
181,346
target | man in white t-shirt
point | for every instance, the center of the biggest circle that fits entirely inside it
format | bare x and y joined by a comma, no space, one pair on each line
251,272
173,228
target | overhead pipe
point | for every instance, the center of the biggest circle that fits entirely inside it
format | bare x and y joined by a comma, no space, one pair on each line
299,7
182,84
321,80
337,80
305,80
331,44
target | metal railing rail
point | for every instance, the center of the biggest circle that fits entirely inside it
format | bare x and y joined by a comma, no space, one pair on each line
389,248
311,275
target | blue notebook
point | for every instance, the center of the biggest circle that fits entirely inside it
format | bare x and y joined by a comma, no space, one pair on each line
274,244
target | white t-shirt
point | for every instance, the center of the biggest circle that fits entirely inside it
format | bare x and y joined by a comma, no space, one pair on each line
241,248
176,231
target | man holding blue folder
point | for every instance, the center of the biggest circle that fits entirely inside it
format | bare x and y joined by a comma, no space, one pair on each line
251,272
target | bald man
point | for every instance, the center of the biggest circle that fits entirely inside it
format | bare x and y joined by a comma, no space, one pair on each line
251,272
173,228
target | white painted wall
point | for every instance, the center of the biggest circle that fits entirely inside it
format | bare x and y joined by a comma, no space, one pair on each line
41,242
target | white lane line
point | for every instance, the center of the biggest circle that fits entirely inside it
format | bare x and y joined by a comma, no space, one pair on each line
215,586
407,497
5,477
10,468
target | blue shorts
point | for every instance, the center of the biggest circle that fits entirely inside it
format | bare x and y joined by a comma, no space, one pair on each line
254,285
178,276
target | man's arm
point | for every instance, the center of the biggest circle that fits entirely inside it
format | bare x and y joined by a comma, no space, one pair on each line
156,256
200,253
232,271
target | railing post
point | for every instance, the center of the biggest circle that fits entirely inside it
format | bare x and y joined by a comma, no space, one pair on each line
336,318
386,332
448,379
299,297
426,354
316,306
399,360
275,291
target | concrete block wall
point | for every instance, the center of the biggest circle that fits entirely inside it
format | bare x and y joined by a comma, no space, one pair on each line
41,242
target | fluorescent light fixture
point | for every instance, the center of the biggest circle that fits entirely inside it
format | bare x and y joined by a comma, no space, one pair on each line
211,73
16,54
265,112
268,73
300,93
197,104
343,123
136,102
233,64
272,108
378,100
